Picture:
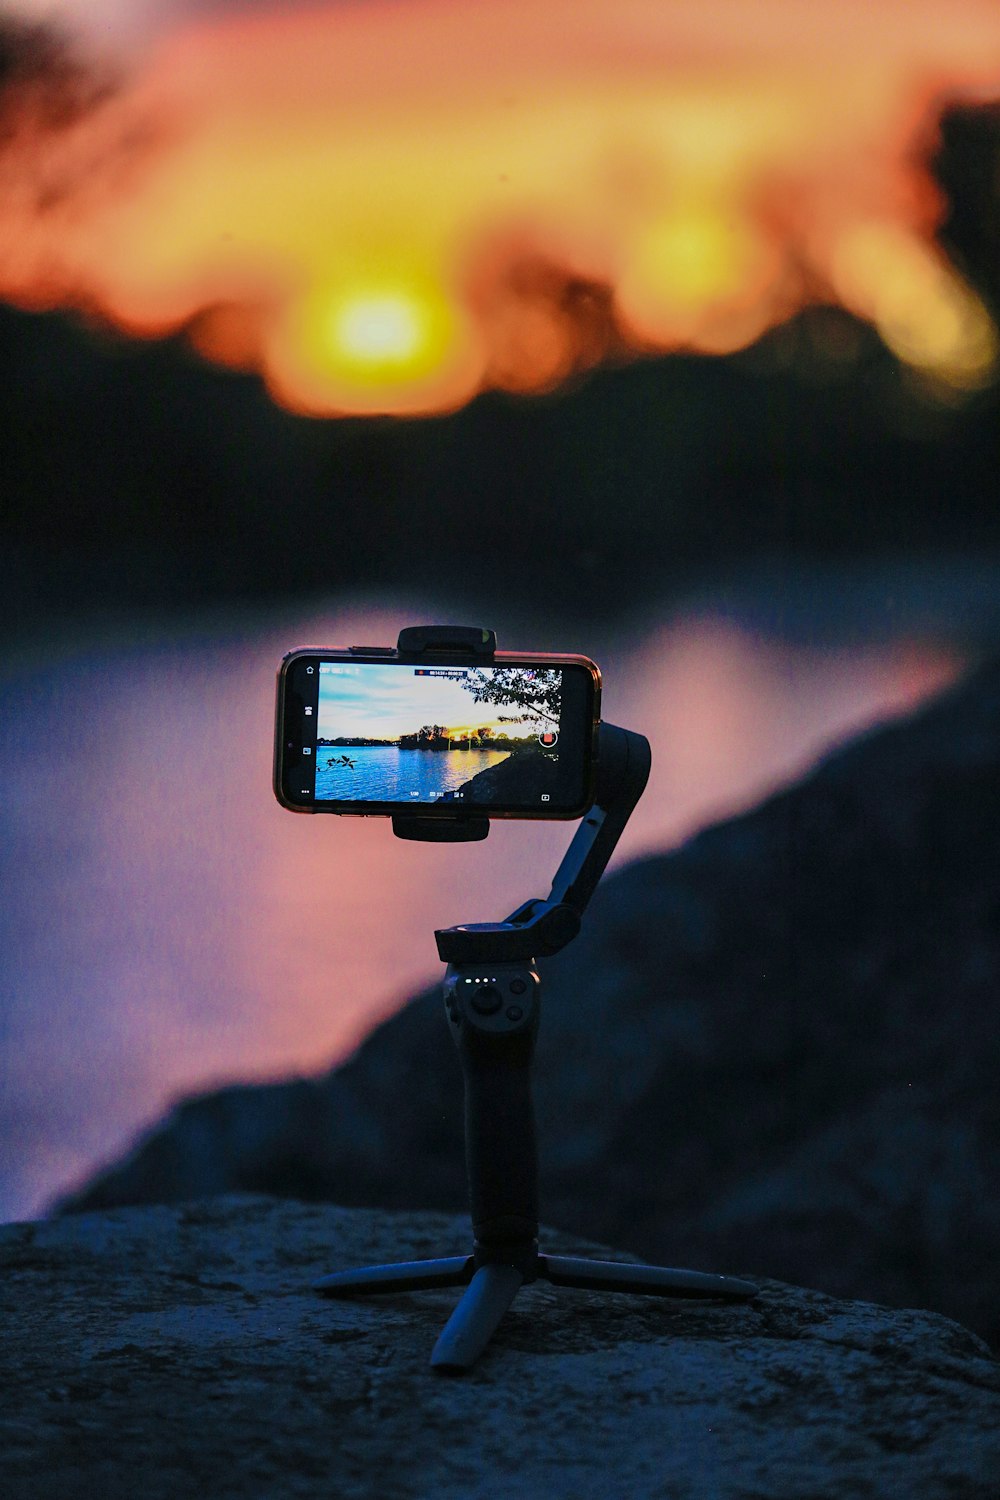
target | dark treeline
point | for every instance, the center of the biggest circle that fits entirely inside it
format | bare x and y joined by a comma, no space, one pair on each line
465,742
482,740
353,739
133,474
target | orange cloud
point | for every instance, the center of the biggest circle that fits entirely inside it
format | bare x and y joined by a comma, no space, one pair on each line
389,207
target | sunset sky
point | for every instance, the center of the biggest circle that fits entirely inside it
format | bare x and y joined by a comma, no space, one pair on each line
383,702
389,206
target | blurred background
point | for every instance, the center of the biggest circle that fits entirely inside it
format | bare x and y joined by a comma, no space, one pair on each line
664,336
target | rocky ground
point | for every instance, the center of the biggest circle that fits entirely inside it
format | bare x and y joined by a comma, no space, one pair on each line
177,1351
778,1044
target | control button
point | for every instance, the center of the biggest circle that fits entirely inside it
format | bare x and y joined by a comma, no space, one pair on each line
517,986
514,1013
486,1000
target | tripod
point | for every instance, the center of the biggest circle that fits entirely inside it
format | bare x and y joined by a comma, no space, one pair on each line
492,1003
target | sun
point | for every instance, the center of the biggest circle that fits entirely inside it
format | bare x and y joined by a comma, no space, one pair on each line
385,340
385,331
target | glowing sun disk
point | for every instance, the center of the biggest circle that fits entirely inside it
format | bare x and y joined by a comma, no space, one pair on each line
379,329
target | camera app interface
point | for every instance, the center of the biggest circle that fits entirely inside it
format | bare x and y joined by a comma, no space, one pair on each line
473,736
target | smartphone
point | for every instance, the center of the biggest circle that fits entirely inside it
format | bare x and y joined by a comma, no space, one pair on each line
362,732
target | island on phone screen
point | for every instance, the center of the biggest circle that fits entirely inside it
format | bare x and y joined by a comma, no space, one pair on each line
472,736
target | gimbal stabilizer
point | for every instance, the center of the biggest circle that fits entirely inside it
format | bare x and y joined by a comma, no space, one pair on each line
492,1001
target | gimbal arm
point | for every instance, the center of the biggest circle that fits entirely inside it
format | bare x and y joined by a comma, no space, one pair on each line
540,928
622,772
491,993
491,989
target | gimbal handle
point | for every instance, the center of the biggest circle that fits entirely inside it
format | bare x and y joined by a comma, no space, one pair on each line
493,1013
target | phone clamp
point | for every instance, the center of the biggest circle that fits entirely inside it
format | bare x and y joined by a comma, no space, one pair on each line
492,995
422,643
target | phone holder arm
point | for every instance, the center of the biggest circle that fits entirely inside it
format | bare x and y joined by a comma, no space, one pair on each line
623,763
537,927
541,928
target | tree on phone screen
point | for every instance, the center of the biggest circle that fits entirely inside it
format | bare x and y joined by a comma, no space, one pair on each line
535,695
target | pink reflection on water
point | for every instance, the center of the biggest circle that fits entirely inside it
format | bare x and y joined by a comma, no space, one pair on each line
731,715
173,927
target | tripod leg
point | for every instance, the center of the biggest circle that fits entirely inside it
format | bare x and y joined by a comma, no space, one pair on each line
474,1321
652,1281
407,1276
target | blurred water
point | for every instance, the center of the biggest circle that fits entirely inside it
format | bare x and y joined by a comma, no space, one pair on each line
165,925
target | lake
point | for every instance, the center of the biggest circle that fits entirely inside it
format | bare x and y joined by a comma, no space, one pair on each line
385,773
167,926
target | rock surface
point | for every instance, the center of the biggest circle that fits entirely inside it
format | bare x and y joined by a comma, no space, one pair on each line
779,1043
176,1351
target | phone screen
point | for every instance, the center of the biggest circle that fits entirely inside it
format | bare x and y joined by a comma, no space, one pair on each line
508,738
